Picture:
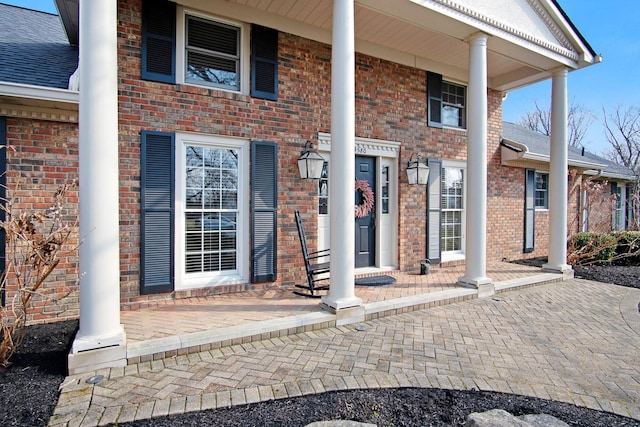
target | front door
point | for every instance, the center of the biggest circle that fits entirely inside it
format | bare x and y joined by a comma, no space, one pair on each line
365,239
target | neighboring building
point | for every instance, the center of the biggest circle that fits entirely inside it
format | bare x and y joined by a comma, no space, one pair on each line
193,115
524,148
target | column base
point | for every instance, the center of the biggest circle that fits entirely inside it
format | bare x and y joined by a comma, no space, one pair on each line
91,353
337,304
93,342
484,285
111,355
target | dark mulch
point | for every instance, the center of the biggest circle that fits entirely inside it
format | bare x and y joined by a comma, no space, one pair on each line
29,391
29,387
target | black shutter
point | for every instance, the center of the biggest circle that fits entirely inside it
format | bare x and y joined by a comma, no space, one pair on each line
529,209
3,198
434,100
159,41
434,214
264,211
157,212
264,63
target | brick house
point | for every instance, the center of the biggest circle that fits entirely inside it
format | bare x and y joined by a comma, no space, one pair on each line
191,115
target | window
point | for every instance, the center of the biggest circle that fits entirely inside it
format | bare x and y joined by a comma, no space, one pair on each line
446,103
542,191
617,222
384,187
211,209
212,51
453,105
180,46
452,207
323,190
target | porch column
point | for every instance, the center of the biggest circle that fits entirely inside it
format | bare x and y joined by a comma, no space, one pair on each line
558,175
476,225
342,166
100,341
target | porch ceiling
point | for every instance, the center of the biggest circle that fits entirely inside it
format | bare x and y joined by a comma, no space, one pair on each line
525,45
420,33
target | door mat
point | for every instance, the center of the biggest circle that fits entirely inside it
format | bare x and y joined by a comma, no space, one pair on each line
375,280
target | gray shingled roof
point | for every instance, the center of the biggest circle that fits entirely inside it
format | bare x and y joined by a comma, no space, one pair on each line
34,49
540,144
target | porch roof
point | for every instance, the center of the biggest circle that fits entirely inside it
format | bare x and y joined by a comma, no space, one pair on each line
528,38
523,147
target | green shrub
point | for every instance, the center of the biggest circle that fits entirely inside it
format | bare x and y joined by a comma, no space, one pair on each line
590,248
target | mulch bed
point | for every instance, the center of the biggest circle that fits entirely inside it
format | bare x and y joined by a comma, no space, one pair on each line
29,391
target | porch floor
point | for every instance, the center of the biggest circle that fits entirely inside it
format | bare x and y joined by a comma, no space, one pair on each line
174,327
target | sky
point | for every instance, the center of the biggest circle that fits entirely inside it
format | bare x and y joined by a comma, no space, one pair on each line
610,27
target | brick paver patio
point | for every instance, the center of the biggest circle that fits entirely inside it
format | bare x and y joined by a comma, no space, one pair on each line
575,341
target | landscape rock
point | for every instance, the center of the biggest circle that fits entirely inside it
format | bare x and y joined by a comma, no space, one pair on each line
502,418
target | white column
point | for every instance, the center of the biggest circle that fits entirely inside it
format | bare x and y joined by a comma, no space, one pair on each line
476,210
98,163
558,174
342,165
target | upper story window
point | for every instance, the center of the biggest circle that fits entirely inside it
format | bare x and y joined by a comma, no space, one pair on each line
180,46
446,103
453,105
542,191
212,53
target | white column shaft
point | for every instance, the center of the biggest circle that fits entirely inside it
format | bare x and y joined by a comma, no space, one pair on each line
342,166
98,164
558,174
476,220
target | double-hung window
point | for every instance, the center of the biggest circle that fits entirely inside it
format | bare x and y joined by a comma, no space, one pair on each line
212,53
452,208
453,105
183,46
542,191
446,103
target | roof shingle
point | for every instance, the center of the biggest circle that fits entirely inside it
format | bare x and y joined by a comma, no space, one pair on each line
34,49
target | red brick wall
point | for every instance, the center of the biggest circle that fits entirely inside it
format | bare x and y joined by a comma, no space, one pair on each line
41,157
390,105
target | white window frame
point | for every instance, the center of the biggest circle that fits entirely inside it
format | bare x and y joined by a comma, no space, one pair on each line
463,107
535,191
457,254
619,208
209,279
181,57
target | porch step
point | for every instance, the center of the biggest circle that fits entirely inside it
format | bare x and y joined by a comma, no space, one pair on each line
160,348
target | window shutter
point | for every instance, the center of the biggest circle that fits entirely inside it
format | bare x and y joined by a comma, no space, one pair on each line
434,100
529,209
434,215
264,211
157,211
264,63
159,41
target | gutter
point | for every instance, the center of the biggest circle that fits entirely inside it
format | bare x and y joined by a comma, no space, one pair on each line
42,93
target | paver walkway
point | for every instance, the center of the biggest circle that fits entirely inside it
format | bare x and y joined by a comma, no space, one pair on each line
575,341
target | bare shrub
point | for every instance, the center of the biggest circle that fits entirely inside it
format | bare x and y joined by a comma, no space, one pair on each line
35,243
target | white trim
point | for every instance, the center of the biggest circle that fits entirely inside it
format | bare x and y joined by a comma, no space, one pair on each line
447,256
241,274
387,154
245,50
39,92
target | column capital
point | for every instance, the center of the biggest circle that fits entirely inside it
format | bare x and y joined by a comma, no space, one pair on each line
478,38
560,72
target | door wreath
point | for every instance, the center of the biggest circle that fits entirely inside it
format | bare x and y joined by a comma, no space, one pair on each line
366,205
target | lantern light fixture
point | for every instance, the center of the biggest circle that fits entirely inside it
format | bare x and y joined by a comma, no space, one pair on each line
417,172
310,163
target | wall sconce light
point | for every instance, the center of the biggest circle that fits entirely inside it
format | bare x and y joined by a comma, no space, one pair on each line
417,172
310,163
